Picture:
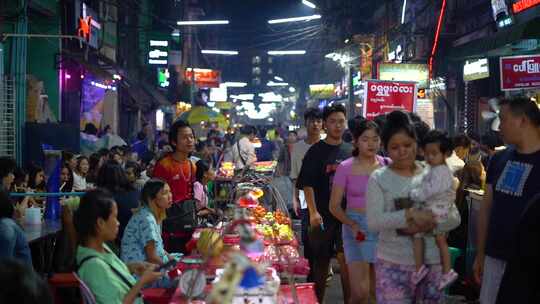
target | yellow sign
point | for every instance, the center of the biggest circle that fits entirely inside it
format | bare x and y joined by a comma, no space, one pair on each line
405,72
322,90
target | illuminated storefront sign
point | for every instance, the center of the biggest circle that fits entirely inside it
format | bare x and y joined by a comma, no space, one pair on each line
396,55
381,97
405,72
219,94
163,77
204,78
499,9
88,28
158,53
475,69
523,5
520,72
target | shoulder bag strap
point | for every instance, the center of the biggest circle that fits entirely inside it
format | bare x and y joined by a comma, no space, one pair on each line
116,272
240,152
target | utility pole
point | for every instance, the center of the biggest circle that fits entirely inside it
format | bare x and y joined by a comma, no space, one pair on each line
193,38
351,90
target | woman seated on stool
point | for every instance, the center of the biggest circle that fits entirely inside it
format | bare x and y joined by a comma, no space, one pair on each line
142,237
13,243
108,278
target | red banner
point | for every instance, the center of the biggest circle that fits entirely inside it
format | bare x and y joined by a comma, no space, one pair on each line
204,78
520,72
382,97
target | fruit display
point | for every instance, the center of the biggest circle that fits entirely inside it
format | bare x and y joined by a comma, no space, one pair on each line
266,231
282,218
258,213
270,255
257,193
268,166
269,218
248,201
275,233
289,253
209,243
226,170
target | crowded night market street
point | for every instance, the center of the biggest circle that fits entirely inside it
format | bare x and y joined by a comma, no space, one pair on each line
270,152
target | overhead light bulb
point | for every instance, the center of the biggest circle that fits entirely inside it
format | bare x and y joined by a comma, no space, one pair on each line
309,3
295,19
281,53
219,52
202,22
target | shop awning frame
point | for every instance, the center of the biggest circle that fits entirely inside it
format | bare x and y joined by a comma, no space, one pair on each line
497,45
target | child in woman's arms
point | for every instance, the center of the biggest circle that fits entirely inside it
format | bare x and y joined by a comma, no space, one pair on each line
437,192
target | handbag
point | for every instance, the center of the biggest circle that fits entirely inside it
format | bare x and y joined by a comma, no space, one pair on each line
182,216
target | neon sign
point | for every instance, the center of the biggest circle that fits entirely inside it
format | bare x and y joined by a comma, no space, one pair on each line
84,30
524,5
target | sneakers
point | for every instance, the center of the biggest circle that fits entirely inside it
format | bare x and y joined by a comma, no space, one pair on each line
419,275
447,279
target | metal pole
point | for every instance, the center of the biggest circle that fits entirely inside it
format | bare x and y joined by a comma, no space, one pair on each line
18,60
193,55
351,91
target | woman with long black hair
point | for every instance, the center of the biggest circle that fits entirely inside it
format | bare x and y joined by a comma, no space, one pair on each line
109,279
112,177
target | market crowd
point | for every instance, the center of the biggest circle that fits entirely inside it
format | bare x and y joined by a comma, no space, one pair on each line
385,197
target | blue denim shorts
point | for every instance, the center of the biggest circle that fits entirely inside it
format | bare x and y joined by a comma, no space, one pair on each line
356,251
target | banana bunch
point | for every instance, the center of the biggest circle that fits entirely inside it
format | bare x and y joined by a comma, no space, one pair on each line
266,230
285,233
210,243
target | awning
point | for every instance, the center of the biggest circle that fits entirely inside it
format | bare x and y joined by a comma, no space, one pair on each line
156,95
140,97
500,44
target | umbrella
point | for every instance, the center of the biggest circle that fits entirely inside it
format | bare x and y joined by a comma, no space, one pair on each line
200,114
113,140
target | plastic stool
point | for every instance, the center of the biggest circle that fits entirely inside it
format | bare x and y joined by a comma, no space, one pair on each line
62,280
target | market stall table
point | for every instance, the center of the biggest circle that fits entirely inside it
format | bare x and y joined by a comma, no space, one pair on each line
42,237
305,292
36,232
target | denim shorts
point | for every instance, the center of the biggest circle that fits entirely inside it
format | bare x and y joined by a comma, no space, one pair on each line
356,251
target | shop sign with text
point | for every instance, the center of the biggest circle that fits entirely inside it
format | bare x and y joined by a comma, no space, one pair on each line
405,72
522,5
204,78
382,97
520,72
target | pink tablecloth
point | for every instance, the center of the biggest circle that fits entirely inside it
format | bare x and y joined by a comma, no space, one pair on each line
306,295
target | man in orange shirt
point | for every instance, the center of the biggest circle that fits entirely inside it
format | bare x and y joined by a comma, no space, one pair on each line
179,172
176,168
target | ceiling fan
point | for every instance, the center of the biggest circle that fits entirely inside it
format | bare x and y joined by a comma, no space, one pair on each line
493,115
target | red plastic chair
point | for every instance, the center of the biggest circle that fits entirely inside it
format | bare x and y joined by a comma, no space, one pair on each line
62,280
86,294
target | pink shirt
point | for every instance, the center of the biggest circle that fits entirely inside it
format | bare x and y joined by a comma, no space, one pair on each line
355,185
199,193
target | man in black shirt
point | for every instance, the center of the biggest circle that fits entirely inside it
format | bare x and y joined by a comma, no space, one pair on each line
521,280
512,181
318,169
